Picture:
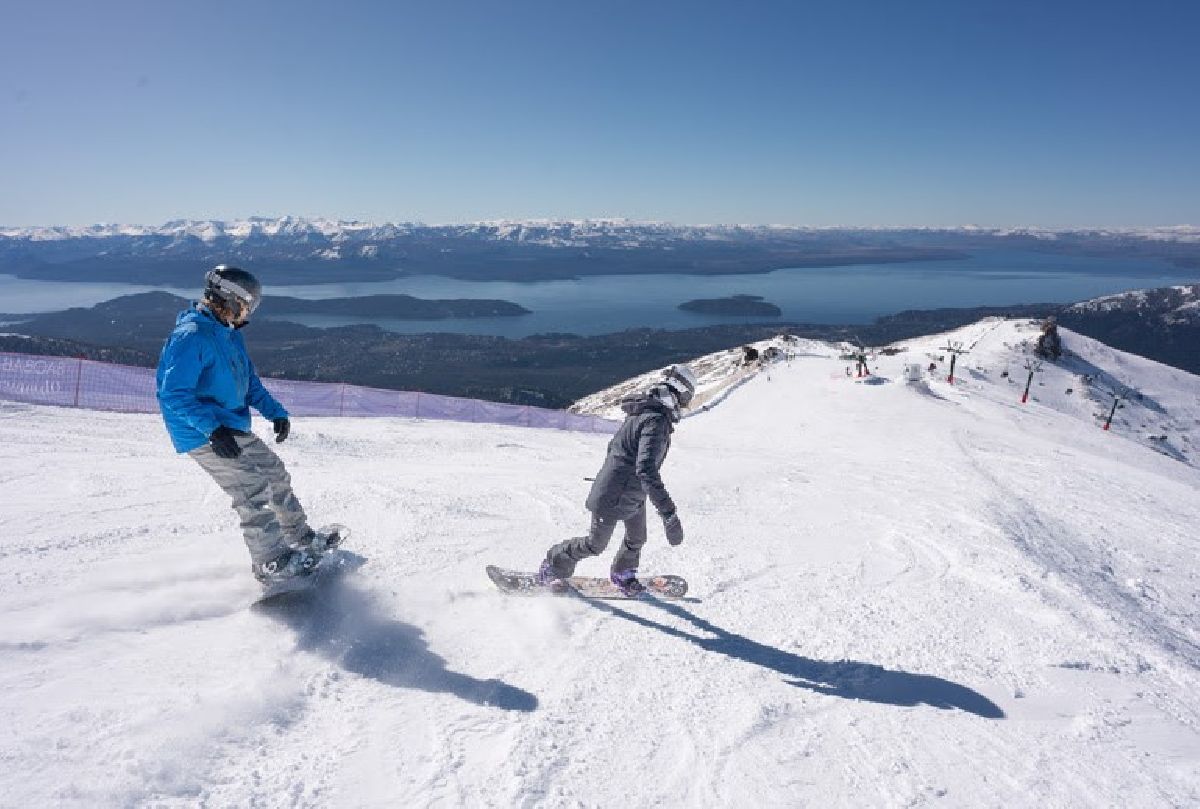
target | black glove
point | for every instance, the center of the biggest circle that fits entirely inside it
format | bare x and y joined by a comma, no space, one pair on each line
282,428
224,443
673,528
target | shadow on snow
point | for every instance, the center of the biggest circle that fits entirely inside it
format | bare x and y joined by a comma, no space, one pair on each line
1102,384
341,624
846,678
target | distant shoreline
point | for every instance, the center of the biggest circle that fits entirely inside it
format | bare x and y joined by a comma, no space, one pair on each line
399,307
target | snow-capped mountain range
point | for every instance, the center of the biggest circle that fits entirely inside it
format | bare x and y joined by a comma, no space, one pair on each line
551,232
301,250
1172,305
1163,323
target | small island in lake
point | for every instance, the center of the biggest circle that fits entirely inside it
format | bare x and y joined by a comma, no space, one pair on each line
400,307
733,305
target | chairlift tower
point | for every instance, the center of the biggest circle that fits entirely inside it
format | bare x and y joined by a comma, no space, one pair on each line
1118,396
955,348
1033,366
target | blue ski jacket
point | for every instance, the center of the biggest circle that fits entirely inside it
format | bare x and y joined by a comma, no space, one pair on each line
205,379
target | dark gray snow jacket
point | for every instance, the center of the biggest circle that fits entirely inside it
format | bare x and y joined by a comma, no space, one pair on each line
635,454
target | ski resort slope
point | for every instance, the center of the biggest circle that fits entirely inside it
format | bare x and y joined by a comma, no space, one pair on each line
905,594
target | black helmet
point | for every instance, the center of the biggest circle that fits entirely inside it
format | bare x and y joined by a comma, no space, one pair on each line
233,285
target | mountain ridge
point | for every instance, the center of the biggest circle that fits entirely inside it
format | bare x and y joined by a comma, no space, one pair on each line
533,229
297,250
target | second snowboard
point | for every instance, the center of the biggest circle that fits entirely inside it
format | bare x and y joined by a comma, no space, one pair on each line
519,582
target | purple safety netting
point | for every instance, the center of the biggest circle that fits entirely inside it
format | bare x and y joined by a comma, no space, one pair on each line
589,424
375,402
120,388
72,382
307,398
551,419
39,380
451,408
496,413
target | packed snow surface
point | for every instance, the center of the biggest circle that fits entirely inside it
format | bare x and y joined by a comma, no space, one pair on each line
904,593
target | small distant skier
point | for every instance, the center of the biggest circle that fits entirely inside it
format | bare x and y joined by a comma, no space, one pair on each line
629,476
206,386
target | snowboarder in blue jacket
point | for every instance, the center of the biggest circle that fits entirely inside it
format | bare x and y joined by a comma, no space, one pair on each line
629,476
206,386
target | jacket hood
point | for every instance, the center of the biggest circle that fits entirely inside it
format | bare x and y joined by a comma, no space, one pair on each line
658,399
199,315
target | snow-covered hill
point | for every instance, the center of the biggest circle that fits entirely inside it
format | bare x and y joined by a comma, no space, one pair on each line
1175,304
905,594
1157,404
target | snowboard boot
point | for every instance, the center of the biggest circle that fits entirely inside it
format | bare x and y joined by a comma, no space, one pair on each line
546,577
627,582
289,564
319,542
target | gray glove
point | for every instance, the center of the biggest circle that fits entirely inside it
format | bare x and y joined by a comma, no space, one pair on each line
673,528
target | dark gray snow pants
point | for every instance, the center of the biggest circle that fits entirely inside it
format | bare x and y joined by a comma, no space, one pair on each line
565,555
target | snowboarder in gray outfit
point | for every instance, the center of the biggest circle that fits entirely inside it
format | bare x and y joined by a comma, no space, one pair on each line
206,386
629,476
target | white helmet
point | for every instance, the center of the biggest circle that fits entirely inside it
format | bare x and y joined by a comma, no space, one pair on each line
682,382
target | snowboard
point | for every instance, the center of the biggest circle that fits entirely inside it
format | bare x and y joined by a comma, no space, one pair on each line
332,562
524,583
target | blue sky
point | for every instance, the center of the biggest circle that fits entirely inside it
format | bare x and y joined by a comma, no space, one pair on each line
858,113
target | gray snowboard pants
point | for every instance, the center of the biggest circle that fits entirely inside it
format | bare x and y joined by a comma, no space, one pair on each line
261,489
565,555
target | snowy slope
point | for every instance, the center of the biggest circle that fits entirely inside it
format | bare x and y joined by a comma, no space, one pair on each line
1158,403
717,375
905,594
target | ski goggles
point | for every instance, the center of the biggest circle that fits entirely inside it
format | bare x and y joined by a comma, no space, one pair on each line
232,291
683,393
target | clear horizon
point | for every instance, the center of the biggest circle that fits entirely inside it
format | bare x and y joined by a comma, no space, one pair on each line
1061,115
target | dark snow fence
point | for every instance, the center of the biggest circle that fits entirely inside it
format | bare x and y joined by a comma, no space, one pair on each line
70,382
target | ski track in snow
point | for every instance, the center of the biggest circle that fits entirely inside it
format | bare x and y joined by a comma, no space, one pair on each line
901,595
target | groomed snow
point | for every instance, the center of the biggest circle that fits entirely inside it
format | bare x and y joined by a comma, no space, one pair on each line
905,594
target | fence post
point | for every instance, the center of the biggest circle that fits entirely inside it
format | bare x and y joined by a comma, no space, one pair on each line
78,379
417,407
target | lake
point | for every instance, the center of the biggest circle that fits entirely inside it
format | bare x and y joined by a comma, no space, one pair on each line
603,304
